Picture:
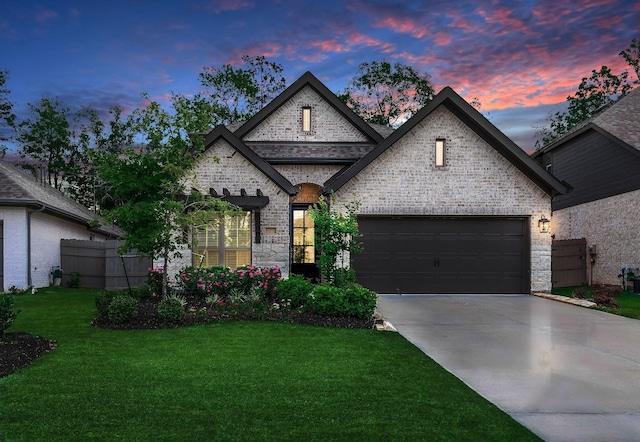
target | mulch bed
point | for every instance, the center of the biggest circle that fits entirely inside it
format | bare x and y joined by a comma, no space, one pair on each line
18,350
147,317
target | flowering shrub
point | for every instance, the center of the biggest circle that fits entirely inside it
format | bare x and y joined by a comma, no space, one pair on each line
222,282
154,280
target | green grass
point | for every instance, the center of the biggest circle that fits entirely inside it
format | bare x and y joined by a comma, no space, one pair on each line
232,381
628,303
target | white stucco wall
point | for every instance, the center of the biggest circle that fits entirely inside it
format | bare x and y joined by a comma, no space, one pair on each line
612,225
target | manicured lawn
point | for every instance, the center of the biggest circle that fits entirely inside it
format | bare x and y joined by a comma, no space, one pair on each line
232,381
628,303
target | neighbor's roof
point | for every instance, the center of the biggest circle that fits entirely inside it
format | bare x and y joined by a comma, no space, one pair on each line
20,189
619,119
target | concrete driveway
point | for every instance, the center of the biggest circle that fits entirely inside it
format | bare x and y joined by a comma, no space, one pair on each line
568,373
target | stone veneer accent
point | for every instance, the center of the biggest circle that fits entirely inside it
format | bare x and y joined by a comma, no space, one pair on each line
616,236
234,172
285,124
476,180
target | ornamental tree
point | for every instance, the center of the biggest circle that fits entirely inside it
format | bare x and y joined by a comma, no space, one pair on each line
146,191
336,235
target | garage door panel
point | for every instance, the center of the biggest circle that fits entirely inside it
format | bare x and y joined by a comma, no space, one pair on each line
444,255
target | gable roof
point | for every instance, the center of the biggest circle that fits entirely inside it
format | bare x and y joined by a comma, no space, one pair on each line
474,120
235,142
618,121
308,79
20,189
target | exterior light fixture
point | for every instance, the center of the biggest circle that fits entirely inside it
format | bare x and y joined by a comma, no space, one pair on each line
544,224
306,119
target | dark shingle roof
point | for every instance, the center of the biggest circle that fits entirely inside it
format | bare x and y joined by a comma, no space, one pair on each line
619,119
20,189
622,118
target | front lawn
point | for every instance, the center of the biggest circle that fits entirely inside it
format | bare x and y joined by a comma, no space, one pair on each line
235,380
628,303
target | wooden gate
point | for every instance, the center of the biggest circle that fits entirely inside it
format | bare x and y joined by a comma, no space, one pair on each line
569,262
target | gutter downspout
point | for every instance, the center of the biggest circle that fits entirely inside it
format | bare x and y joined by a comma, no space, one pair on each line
29,213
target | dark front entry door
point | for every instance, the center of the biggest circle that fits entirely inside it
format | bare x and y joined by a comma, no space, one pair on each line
444,255
303,250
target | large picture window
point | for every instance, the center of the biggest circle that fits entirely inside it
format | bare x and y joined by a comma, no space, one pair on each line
224,243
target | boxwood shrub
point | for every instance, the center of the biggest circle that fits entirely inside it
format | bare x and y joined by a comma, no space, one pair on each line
350,300
122,308
170,310
295,290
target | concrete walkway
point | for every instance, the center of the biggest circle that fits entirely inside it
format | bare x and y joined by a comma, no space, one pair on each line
568,373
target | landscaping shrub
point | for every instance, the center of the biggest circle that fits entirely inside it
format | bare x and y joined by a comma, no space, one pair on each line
74,280
247,281
7,313
170,310
122,308
154,281
351,300
103,299
295,290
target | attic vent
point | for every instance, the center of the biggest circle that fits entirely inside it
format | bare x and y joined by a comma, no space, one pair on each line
306,119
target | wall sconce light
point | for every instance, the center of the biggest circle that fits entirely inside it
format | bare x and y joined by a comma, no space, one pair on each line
544,224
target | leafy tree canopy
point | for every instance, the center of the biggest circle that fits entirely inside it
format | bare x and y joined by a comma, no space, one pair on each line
382,93
600,89
7,118
146,186
236,94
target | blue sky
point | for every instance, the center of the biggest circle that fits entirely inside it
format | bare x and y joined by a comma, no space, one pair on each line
520,58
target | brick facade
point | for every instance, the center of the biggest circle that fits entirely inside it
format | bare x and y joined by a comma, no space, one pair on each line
285,124
476,180
616,237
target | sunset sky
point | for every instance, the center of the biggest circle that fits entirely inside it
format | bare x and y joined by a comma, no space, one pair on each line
520,58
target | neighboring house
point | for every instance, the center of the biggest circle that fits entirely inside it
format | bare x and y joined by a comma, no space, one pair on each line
34,217
600,160
448,204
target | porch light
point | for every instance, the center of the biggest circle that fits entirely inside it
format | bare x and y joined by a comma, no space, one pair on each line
544,224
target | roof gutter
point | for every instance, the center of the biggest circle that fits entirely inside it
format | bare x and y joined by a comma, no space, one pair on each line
29,213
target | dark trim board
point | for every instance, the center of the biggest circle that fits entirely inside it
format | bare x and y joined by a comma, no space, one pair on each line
413,254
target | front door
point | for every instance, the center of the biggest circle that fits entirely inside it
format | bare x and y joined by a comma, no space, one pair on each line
303,250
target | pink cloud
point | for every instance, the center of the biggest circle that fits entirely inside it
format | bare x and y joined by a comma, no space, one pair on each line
219,6
330,45
609,22
44,15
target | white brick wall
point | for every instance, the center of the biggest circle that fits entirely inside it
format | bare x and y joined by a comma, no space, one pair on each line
300,173
476,180
285,124
612,224
46,233
14,221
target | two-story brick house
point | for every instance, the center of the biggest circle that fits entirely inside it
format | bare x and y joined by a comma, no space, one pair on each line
447,203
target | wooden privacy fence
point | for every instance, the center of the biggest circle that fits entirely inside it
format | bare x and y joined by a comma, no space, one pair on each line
100,266
569,262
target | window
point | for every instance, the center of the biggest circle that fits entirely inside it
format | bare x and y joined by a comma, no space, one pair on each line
306,119
226,243
304,251
439,153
